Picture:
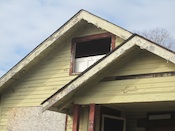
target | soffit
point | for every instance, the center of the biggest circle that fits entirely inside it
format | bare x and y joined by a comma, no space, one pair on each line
145,106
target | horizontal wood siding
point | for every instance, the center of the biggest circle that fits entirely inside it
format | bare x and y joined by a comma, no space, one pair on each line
44,79
69,123
134,90
144,63
83,123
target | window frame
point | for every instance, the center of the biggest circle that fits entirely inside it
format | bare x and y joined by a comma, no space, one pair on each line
85,39
114,118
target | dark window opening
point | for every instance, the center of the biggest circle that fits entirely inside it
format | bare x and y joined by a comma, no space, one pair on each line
93,47
113,124
86,50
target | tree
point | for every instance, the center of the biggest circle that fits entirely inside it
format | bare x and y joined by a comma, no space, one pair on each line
160,36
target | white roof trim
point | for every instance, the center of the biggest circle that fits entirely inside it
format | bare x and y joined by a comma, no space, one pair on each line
134,41
155,49
90,18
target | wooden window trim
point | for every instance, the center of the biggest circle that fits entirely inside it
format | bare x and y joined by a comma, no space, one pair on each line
113,117
88,38
108,111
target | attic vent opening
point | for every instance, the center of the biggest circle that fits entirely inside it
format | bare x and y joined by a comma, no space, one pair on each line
87,50
93,47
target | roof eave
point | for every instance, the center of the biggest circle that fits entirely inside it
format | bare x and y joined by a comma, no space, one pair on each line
13,73
134,40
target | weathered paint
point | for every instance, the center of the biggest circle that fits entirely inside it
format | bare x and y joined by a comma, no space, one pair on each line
92,112
155,49
122,33
132,42
43,79
147,87
37,51
76,117
144,63
85,77
80,16
36,84
83,124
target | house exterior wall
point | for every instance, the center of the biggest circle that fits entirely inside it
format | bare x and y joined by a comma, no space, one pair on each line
44,79
33,119
83,120
148,89
131,120
129,90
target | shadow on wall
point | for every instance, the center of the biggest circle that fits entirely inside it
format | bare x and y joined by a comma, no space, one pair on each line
33,119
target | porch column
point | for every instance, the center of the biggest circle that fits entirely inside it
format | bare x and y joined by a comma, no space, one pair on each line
91,126
76,116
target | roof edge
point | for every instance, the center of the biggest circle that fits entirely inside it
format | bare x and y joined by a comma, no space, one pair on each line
88,68
134,40
40,48
103,24
80,15
73,85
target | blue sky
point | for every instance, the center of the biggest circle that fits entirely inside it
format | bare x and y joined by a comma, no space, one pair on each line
26,23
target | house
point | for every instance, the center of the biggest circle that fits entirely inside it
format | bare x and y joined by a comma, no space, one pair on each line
100,75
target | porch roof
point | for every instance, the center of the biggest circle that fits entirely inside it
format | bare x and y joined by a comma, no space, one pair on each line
63,97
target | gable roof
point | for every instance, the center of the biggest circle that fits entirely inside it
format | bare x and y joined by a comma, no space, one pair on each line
38,52
131,46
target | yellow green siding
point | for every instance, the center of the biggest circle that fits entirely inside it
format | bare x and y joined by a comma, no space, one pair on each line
69,123
83,125
129,90
44,79
144,63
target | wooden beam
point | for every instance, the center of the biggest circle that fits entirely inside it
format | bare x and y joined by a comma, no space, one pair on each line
76,116
139,76
92,118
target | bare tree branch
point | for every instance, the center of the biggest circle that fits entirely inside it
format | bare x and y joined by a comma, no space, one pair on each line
160,36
